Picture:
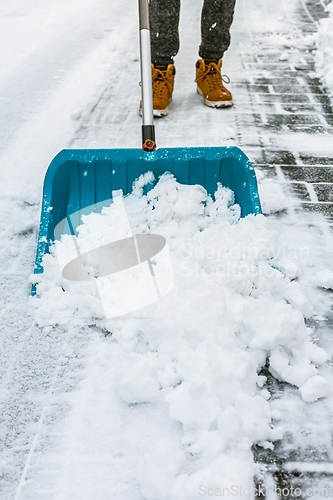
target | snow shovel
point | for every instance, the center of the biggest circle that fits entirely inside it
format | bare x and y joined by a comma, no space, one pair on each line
78,179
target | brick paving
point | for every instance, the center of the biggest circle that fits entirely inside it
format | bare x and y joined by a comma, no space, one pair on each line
286,98
276,98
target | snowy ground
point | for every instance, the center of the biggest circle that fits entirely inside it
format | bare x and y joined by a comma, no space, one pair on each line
69,77
324,55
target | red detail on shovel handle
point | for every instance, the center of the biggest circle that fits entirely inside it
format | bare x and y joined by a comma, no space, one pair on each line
149,145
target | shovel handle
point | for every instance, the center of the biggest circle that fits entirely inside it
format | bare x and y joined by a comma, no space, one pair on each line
148,127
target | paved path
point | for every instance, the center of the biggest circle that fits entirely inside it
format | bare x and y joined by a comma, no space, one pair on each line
285,118
284,123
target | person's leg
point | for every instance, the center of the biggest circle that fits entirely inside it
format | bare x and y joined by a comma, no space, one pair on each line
164,34
216,19
164,22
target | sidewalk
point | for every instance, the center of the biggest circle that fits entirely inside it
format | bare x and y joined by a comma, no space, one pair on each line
285,119
284,123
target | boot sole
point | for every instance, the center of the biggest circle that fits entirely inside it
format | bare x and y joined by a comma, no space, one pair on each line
215,104
158,113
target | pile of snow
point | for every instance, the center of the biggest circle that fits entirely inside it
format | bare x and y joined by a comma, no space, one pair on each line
324,53
272,197
196,353
324,279
316,387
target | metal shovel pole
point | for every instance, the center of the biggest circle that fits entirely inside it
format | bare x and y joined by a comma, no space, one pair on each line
148,127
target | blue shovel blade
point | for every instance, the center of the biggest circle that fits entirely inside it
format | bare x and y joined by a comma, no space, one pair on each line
79,178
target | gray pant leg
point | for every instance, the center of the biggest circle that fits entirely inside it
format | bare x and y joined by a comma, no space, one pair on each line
216,19
164,32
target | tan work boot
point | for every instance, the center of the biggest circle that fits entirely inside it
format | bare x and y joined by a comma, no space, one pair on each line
210,83
163,81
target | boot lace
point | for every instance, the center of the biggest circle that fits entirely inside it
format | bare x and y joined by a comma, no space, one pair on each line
213,77
159,81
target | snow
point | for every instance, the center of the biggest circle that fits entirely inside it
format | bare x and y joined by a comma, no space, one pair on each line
53,82
300,142
231,311
284,56
314,388
324,52
139,407
272,197
325,279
